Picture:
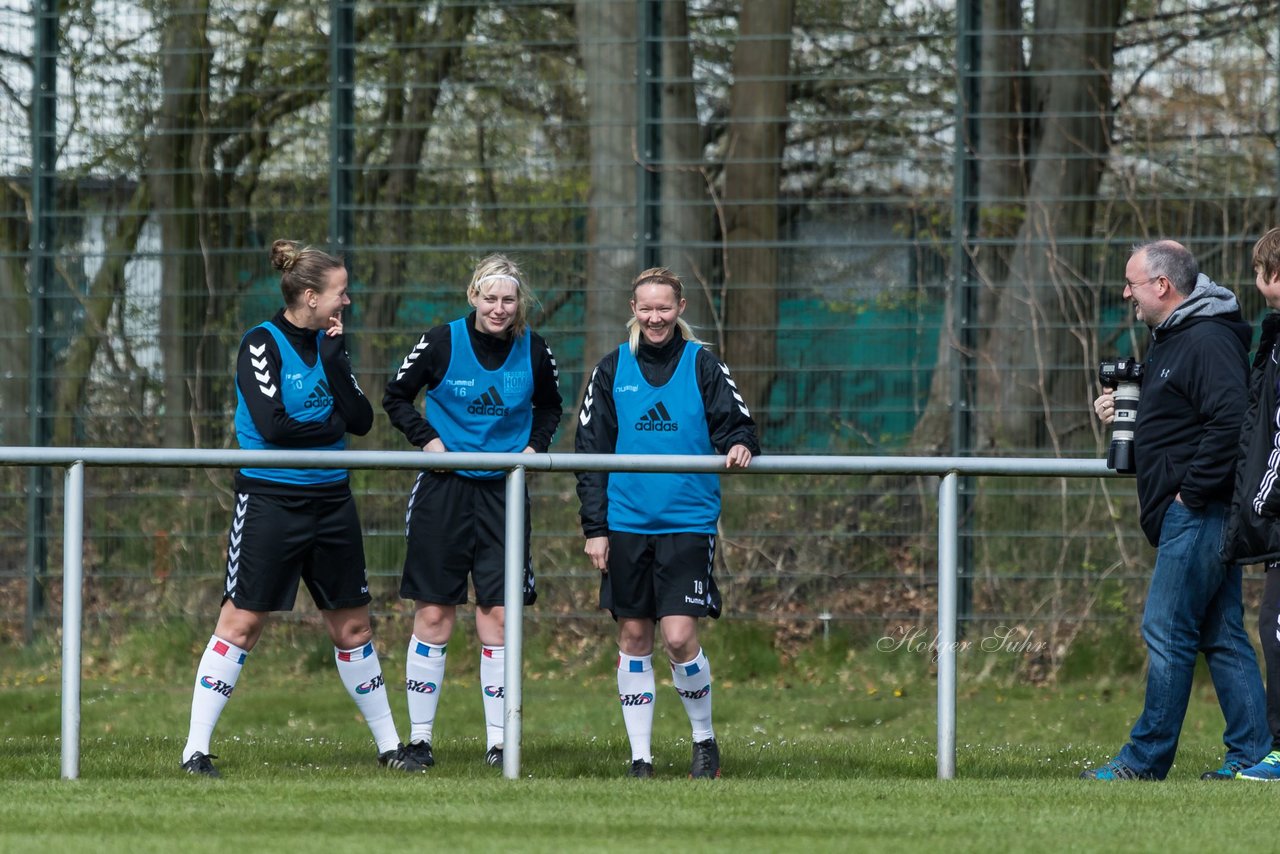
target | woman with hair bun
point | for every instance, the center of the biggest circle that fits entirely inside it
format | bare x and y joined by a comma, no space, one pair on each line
295,390
491,386
653,536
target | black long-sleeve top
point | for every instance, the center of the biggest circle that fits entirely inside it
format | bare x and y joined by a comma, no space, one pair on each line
352,412
428,361
1195,389
729,421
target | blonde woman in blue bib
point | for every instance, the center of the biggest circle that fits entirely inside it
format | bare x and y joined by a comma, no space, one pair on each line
653,536
491,385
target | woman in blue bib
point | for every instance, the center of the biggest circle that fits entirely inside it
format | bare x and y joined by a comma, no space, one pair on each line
491,386
295,390
653,536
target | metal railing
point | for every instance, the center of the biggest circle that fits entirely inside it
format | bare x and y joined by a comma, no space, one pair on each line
948,469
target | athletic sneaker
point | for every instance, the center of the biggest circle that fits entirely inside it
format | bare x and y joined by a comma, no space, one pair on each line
1113,770
1228,771
420,752
706,760
400,760
494,757
200,765
1268,770
641,769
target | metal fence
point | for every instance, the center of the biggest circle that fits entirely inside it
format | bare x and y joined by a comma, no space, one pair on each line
948,508
903,225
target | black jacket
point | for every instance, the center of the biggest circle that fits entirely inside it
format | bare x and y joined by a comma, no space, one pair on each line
1253,528
1194,387
426,364
729,421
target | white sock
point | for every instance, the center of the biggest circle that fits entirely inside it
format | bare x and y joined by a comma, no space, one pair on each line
362,674
216,677
423,679
493,680
635,693
693,683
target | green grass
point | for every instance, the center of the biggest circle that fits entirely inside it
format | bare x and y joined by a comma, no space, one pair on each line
828,748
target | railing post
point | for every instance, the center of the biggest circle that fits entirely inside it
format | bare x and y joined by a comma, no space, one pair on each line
513,626
72,606
948,539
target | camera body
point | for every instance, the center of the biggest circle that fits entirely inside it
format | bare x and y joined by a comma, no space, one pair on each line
1125,376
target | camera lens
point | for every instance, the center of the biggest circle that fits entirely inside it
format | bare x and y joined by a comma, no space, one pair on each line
1120,452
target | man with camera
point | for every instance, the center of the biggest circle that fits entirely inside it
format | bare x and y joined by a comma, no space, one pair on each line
1193,395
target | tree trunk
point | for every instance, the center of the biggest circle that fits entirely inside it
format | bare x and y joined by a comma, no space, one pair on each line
1002,125
1003,128
15,319
235,135
175,179
414,90
688,212
103,293
1044,133
607,41
1034,383
753,153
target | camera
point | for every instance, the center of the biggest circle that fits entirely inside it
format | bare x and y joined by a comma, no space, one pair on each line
1125,376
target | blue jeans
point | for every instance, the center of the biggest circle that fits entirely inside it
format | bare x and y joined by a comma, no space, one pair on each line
1194,606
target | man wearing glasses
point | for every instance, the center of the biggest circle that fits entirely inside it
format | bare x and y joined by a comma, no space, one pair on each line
1194,393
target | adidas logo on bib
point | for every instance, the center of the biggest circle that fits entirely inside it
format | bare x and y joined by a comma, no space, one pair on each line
489,403
320,398
657,420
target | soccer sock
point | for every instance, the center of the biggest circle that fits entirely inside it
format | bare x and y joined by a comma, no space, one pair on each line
423,678
693,683
362,674
493,679
635,692
216,677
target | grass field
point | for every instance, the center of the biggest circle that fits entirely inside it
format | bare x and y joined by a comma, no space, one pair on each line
829,749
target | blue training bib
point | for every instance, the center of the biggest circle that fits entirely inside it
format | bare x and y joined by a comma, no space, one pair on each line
669,419
304,391
482,411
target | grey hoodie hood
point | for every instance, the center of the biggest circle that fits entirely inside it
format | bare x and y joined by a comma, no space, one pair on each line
1208,299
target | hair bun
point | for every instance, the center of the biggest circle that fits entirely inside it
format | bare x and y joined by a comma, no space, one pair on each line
284,254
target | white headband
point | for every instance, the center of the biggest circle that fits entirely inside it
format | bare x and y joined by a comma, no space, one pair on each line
497,277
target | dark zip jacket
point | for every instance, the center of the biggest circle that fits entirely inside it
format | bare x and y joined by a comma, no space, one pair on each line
1253,528
1194,387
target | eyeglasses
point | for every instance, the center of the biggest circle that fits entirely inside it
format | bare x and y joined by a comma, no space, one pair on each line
1132,285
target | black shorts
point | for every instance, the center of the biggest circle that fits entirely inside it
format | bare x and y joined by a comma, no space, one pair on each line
456,526
660,575
277,539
